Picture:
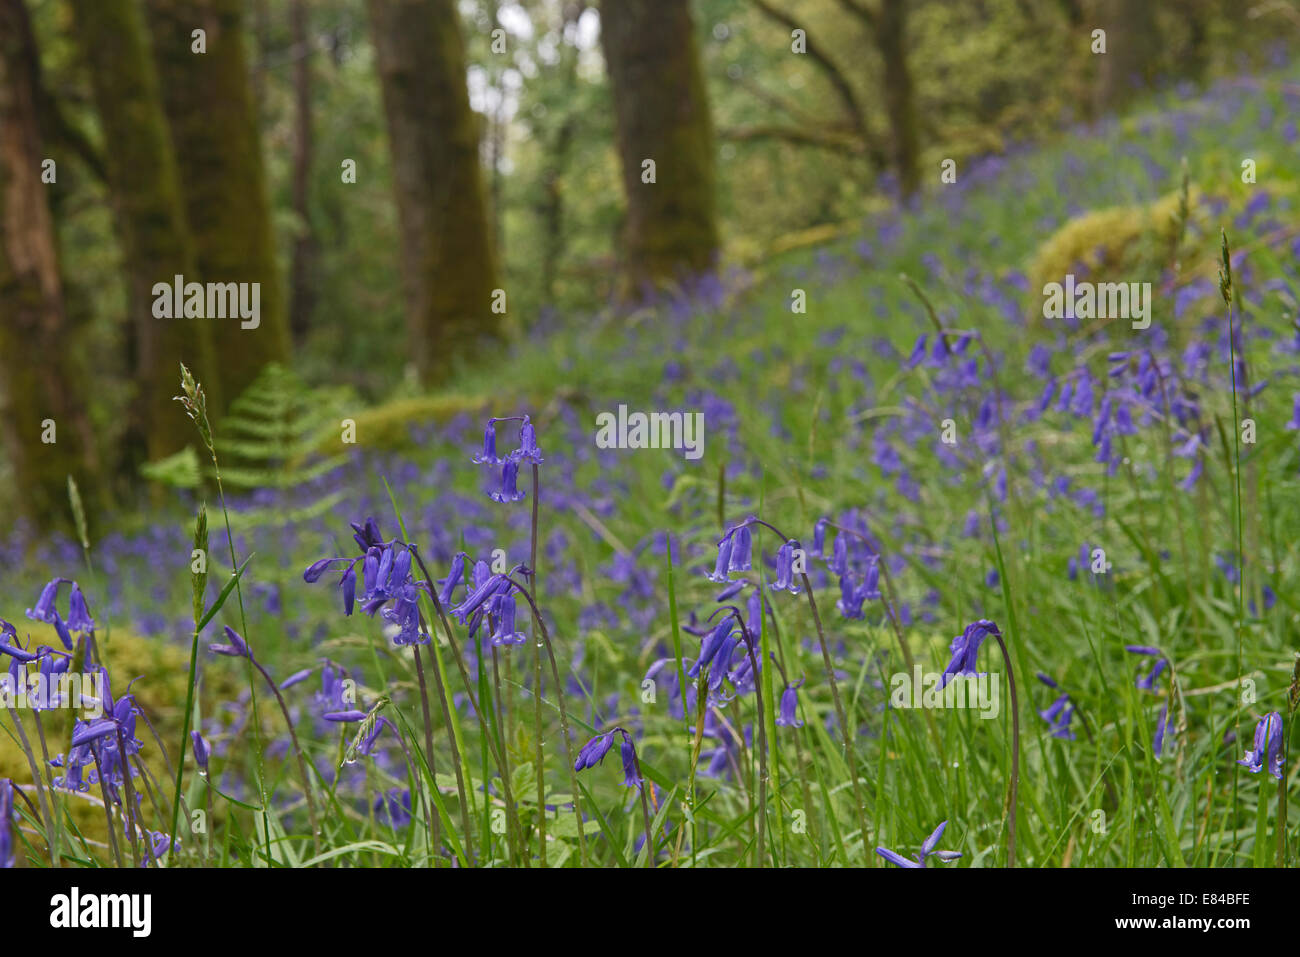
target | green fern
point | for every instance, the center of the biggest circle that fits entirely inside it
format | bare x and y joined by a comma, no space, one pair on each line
267,440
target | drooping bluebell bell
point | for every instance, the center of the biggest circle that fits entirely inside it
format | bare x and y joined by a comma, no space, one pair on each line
509,491
454,576
1162,731
235,646
593,752
631,766
785,580
1058,716
503,609
965,649
927,850
1147,682
200,751
713,643
723,565
819,537
489,454
742,542
789,717
1268,750
6,823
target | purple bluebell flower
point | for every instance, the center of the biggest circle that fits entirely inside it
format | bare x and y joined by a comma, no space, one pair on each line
509,492
965,649
489,454
528,450
631,767
1147,682
1162,728
504,610
200,751
723,565
927,850
593,752
789,718
6,819
79,619
453,578
235,647
1268,747
785,580
742,542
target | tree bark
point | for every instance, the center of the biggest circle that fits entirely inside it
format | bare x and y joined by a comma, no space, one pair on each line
891,41
39,383
302,265
661,113
145,188
448,263
213,124
1132,49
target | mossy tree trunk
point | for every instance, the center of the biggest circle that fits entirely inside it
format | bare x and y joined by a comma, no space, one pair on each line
43,394
210,112
448,263
900,97
661,113
1132,50
150,215
302,264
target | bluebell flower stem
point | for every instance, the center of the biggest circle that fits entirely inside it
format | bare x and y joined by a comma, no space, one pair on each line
1014,791
298,753
454,645
537,684
50,823
564,716
846,732
435,827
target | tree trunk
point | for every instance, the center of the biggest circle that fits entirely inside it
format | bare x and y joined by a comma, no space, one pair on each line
1132,49
891,41
145,188
661,113
302,266
210,111
448,264
41,388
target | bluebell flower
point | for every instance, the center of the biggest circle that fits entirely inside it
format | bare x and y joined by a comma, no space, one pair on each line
1162,728
528,450
819,537
631,767
489,454
1148,682
594,751
503,609
200,751
79,619
741,545
713,643
6,819
509,492
927,850
789,717
453,578
785,568
1058,715
236,647
723,565
965,649
1268,747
